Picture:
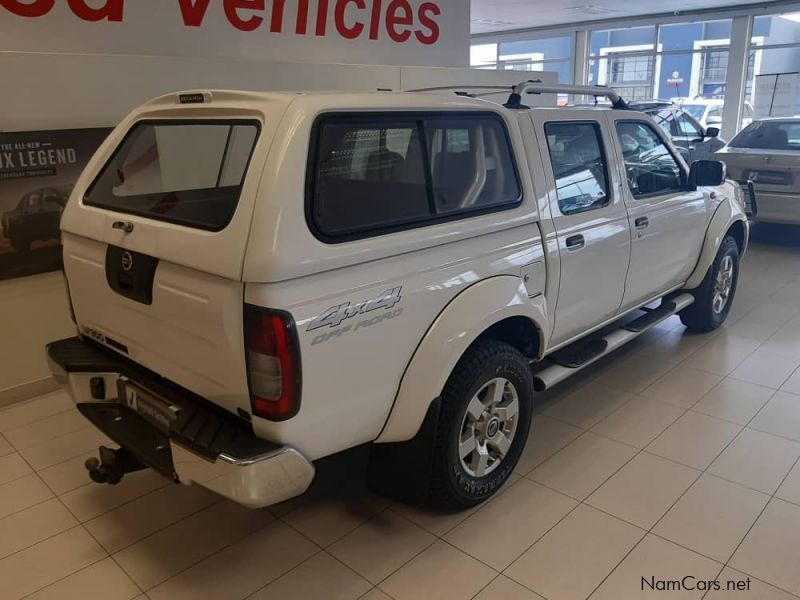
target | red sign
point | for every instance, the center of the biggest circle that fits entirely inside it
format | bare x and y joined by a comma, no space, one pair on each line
368,19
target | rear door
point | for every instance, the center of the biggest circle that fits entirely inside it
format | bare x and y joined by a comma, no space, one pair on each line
154,246
589,218
668,223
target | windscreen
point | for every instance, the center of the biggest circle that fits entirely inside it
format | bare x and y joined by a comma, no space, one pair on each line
769,135
188,173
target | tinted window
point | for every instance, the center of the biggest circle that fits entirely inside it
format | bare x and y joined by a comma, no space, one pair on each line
686,127
579,166
769,135
185,173
370,175
649,165
390,172
471,164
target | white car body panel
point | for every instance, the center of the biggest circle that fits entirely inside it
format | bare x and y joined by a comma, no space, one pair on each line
373,377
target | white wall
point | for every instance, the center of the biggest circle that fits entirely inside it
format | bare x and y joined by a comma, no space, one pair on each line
51,91
408,32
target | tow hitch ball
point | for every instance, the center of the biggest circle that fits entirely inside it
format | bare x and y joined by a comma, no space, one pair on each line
112,465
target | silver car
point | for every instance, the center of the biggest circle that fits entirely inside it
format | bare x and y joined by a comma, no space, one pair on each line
767,153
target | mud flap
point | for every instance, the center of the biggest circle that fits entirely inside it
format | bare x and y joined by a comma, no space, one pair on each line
402,471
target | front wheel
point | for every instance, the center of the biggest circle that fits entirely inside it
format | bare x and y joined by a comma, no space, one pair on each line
483,425
714,296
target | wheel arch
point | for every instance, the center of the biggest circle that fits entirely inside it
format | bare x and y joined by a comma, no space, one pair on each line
727,220
495,308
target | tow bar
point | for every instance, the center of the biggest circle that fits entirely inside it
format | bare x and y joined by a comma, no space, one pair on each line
112,465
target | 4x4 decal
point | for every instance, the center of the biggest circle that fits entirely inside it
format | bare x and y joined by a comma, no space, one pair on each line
336,315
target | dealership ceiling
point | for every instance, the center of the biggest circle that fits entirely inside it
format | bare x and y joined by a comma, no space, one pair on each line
501,15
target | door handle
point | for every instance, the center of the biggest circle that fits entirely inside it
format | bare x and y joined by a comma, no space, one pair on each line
125,226
642,223
575,242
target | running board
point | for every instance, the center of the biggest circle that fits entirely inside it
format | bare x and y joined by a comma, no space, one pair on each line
563,363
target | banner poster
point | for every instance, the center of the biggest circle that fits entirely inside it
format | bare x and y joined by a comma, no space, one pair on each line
38,170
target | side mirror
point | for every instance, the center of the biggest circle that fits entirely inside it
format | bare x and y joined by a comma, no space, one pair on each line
707,173
712,132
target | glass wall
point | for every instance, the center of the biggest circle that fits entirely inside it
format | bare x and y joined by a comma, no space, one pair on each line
547,54
683,61
544,54
483,56
774,49
675,61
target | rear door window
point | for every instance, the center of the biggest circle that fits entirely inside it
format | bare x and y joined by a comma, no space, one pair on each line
579,166
471,164
188,173
382,173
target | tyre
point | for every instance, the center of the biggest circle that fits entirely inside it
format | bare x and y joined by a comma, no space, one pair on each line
483,425
714,297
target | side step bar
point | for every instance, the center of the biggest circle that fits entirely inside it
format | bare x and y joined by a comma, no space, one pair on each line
568,361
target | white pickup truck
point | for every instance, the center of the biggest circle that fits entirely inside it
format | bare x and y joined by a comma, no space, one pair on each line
260,280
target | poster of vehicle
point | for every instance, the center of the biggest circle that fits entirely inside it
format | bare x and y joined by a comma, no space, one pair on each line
38,170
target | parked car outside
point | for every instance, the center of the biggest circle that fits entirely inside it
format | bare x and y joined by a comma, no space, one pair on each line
261,280
767,152
35,218
695,141
708,112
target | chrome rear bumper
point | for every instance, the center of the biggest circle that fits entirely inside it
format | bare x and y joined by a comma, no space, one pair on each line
207,448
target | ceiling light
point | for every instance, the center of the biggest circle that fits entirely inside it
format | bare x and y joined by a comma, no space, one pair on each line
592,9
491,22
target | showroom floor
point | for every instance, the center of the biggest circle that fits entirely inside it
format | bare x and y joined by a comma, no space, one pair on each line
676,457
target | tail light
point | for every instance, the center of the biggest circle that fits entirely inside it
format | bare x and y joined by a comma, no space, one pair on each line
273,363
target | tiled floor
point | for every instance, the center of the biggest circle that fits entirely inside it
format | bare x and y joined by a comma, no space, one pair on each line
676,457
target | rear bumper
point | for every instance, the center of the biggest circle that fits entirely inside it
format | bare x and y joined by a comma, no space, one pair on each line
774,207
203,444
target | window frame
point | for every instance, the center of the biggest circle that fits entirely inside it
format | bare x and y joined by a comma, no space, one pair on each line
603,154
168,122
683,176
417,118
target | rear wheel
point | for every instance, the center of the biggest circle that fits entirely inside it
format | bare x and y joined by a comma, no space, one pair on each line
714,297
483,425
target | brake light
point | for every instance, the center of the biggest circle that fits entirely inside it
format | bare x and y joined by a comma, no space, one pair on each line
273,363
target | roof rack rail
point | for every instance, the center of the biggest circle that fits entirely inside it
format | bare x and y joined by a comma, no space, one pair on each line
458,88
537,87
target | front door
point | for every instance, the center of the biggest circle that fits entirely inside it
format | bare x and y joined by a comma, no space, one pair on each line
668,222
589,217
